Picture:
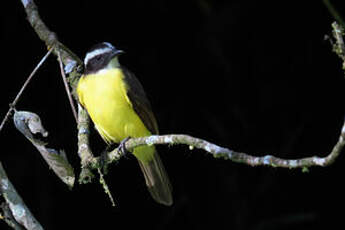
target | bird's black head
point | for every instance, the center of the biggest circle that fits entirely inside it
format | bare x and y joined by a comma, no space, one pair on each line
99,56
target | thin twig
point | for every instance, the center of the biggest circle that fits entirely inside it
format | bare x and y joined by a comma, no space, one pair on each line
334,12
13,104
105,187
67,88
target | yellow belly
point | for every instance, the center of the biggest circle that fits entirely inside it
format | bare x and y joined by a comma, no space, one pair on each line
104,97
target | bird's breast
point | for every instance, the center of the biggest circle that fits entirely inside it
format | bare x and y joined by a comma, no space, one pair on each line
104,94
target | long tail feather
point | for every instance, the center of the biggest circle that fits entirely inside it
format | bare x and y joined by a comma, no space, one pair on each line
157,180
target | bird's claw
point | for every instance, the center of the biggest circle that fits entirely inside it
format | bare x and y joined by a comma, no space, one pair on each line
122,147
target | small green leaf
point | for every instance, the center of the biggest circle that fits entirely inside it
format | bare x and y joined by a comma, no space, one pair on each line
305,170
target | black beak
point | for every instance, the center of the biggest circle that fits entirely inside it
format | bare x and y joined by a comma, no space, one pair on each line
116,52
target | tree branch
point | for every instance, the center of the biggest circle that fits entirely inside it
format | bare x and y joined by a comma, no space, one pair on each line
73,66
228,154
19,210
30,125
84,150
338,46
49,37
8,217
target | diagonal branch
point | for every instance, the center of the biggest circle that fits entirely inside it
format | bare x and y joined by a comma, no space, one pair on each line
30,125
47,35
73,66
19,210
8,217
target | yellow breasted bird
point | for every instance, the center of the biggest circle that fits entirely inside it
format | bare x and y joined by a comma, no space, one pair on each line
119,108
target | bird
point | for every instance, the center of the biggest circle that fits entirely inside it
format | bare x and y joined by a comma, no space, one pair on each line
118,106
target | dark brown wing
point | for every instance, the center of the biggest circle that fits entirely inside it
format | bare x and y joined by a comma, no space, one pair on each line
141,104
155,175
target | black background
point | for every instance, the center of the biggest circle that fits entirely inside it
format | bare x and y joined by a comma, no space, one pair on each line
253,76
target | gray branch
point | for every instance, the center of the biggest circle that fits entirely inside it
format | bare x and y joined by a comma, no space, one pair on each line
30,125
228,154
72,67
19,210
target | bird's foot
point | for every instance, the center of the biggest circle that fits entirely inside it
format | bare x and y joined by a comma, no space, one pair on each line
122,147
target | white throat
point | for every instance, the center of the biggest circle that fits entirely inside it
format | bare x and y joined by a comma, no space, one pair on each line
114,63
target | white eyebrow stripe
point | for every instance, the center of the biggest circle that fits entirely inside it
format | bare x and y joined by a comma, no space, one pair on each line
95,53
109,45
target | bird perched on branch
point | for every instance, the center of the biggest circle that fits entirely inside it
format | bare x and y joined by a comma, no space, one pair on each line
119,108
